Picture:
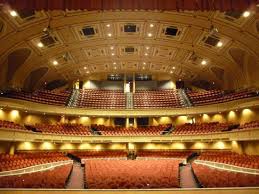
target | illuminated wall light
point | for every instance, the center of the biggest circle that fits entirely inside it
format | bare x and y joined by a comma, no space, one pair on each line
87,72
147,47
146,54
113,54
144,63
112,47
13,13
171,71
246,14
109,34
203,62
219,44
246,111
40,45
47,145
149,34
220,145
151,25
85,67
114,63
108,25
173,67
55,62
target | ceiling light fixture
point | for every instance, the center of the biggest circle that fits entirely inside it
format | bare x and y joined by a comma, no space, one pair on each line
85,67
146,54
149,34
113,54
109,34
171,71
111,47
144,63
55,62
219,44
87,72
147,47
108,25
151,25
203,62
173,67
246,14
13,13
114,63
40,44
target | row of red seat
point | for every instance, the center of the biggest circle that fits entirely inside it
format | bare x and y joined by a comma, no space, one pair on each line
218,96
22,160
10,125
99,154
54,178
66,129
41,96
200,128
247,161
156,99
211,177
164,154
151,130
104,99
130,174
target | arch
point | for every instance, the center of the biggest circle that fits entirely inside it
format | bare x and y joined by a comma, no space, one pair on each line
33,78
238,56
15,60
218,72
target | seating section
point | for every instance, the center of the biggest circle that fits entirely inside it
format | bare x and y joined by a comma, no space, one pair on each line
211,177
227,157
22,160
151,130
99,154
250,125
54,178
200,128
164,154
156,99
130,174
11,125
101,99
41,96
218,96
65,129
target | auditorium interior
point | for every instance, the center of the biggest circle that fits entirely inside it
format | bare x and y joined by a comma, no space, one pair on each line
129,96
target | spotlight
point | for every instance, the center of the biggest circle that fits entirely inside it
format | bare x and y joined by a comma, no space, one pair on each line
40,44
204,62
13,13
219,44
246,14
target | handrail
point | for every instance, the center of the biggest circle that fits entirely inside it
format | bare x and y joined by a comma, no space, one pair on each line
228,167
35,168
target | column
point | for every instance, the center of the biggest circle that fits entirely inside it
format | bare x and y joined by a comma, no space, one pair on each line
124,83
134,83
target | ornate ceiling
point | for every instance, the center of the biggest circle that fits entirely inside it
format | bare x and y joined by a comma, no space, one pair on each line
217,47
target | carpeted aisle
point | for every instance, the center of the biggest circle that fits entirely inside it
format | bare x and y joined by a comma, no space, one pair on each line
76,180
187,179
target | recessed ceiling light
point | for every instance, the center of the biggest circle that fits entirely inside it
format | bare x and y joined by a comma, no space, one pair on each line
114,63
149,34
143,67
151,25
115,67
246,14
55,62
108,25
171,71
87,72
109,34
13,13
40,44
204,62
180,79
144,63
173,67
2,93
113,54
112,47
146,54
219,44
147,47
85,67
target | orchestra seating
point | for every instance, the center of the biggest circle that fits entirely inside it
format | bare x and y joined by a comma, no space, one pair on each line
156,99
53,178
11,125
200,128
151,130
163,154
130,174
104,154
66,129
41,96
211,177
22,160
198,98
227,157
101,99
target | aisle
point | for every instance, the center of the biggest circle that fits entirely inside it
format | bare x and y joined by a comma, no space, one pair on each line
187,179
76,180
